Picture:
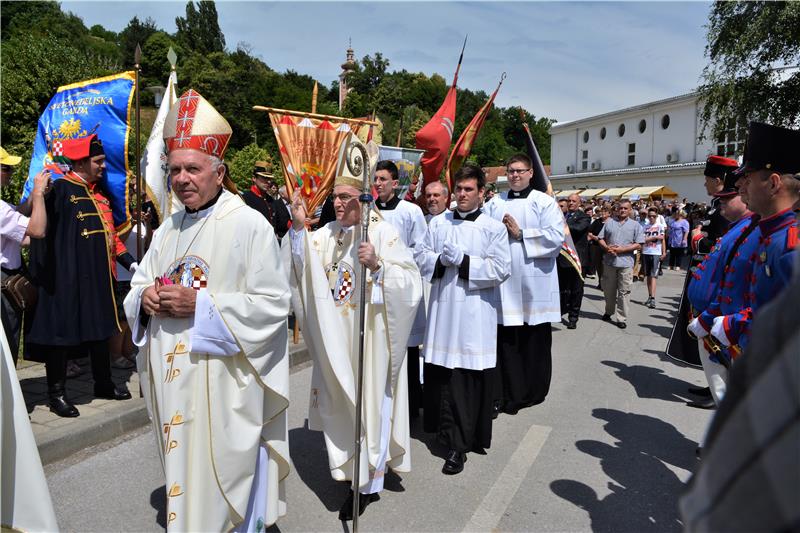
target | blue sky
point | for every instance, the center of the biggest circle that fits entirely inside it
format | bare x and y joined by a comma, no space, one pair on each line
565,60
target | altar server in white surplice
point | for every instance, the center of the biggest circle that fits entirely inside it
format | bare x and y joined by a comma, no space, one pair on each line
408,220
213,358
465,255
325,275
530,297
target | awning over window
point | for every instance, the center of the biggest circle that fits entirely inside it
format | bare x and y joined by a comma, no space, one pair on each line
591,193
614,192
656,192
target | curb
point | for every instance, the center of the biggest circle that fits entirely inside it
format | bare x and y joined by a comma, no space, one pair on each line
60,443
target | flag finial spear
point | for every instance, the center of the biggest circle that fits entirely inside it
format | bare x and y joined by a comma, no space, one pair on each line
460,58
172,57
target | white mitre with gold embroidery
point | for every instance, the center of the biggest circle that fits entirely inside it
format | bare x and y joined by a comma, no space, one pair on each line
351,174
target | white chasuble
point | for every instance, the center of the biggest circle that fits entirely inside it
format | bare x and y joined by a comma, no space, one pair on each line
26,503
462,311
324,276
531,295
216,384
410,223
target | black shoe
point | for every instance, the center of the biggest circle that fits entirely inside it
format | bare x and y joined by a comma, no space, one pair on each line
703,404
59,404
346,511
705,392
112,392
622,325
62,407
607,318
454,463
572,325
495,411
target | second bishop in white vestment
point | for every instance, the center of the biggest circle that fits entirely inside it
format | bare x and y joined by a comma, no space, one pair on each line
324,277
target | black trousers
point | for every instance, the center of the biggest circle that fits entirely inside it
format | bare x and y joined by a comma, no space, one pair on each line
414,386
12,325
571,288
524,365
55,358
458,406
676,256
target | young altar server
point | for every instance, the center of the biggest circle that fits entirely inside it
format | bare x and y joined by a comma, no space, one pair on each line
466,257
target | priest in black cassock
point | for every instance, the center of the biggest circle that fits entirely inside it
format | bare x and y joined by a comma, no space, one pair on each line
465,255
73,267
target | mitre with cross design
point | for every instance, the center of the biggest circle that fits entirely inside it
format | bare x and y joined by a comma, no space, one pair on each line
193,123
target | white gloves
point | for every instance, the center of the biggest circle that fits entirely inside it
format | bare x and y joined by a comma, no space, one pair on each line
451,255
697,328
718,331
134,266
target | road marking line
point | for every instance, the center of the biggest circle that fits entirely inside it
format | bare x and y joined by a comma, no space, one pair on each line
497,500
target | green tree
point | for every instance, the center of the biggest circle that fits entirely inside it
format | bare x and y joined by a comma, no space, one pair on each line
242,162
135,33
155,65
199,30
754,54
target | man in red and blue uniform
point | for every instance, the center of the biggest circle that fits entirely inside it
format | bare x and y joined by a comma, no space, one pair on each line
769,183
705,235
719,286
74,269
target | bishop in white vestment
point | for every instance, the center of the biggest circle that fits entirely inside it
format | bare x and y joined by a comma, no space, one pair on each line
465,255
530,298
325,275
208,308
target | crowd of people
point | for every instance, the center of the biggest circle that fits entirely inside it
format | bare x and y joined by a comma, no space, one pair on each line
461,290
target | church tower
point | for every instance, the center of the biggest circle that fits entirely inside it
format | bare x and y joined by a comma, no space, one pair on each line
347,67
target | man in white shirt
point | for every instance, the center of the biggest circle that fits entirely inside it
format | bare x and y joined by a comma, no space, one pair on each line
654,250
17,230
436,198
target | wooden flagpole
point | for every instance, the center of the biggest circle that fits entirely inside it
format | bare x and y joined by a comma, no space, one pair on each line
305,114
137,60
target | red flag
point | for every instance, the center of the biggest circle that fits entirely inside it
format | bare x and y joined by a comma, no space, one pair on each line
465,141
435,136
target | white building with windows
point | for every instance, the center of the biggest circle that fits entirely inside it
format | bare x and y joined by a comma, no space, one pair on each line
648,145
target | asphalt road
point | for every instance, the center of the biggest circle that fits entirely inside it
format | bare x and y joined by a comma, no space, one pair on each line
609,450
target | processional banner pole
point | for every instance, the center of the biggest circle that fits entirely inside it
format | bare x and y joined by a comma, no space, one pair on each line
358,163
137,60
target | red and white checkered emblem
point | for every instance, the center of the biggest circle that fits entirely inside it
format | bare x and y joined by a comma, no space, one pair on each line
345,282
58,148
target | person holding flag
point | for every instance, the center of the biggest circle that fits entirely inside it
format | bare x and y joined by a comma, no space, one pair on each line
530,297
74,269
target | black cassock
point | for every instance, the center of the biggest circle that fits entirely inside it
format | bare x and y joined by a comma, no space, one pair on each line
71,267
